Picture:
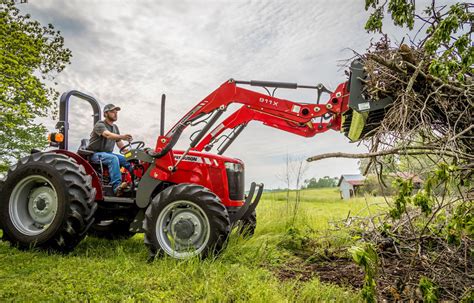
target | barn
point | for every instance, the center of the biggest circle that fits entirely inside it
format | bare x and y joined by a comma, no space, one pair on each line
348,185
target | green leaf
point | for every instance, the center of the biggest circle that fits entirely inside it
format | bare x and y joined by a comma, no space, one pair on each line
30,54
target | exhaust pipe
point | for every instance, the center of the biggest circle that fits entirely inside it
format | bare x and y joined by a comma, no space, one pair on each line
162,115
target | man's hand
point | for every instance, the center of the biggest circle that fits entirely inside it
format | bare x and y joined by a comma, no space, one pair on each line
126,137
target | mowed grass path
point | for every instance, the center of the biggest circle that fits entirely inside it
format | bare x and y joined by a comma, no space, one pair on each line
101,270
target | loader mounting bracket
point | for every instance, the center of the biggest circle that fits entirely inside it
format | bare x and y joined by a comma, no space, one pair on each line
249,205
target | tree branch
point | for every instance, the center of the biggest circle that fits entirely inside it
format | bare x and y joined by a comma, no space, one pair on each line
395,151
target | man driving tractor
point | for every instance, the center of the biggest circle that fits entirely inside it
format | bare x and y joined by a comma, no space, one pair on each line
103,138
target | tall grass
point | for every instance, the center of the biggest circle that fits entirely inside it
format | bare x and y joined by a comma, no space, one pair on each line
101,270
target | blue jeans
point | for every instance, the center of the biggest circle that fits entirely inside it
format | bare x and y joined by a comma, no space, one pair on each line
113,162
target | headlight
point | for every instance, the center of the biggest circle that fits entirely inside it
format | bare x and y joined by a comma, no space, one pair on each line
234,167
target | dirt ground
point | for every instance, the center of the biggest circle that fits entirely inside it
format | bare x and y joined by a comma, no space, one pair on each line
343,272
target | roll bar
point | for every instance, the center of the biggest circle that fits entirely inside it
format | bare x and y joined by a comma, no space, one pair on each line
63,123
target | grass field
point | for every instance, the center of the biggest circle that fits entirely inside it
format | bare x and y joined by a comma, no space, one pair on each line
248,270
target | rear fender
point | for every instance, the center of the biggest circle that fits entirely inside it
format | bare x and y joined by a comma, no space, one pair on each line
89,170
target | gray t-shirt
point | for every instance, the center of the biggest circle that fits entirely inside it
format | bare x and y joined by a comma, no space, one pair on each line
99,143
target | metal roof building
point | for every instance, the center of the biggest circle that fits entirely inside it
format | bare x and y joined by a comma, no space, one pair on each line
348,185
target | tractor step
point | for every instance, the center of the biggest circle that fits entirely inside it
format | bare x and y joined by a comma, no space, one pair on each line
112,199
108,192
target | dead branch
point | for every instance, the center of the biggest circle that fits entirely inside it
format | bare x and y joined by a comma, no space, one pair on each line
395,151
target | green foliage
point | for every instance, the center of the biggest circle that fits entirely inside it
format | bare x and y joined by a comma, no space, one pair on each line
423,200
30,56
374,23
443,174
455,224
294,239
468,297
365,256
373,187
402,13
428,290
447,35
321,182
458,58
420,165
462,223
438,181
403,197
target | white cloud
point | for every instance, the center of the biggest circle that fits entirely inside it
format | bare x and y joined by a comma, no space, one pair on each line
130,52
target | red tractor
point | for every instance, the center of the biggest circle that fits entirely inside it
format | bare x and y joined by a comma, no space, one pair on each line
186,202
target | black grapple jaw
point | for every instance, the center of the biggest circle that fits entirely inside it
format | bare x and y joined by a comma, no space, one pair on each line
363,115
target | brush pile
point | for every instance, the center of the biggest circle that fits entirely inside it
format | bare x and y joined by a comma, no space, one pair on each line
423,240
428,114
416,264
424,243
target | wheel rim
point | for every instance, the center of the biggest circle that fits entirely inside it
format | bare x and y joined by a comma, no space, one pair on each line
183,229
33,205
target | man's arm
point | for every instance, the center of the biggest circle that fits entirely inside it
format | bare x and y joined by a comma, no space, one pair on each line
116,137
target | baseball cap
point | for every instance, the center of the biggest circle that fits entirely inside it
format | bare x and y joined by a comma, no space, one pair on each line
110,107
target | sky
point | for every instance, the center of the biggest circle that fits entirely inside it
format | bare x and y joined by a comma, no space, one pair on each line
130,52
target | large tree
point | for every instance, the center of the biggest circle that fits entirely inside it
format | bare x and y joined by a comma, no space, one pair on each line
31,56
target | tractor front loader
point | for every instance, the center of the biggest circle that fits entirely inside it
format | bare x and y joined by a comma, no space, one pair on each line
186,202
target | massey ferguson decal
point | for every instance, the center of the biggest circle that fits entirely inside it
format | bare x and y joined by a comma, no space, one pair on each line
189,158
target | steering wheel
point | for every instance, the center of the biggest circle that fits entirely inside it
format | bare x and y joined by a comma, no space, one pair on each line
139,145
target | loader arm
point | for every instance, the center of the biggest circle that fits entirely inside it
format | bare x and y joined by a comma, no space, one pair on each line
304,119
269,106
345,110
239,119
296,117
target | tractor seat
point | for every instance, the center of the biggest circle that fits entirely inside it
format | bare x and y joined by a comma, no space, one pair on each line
82,151
97,166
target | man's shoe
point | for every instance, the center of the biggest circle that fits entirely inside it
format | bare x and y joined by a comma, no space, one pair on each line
121,189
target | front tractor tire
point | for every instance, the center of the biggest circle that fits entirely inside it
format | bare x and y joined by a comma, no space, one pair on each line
184,221
47,202
246,226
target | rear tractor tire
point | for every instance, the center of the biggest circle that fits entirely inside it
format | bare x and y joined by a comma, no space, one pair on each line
47,202
184,221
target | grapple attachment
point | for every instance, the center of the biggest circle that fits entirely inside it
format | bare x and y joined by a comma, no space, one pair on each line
363,115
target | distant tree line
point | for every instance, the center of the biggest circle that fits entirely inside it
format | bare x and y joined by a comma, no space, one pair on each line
324,182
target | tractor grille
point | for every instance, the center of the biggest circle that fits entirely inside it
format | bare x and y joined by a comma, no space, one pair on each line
235,180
